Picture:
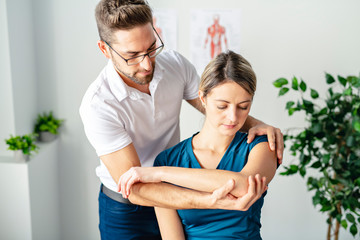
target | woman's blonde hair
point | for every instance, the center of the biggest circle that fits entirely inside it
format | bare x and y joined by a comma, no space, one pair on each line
228,66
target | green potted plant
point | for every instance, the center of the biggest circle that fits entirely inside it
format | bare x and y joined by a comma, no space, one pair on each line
328,146
23,146
47,126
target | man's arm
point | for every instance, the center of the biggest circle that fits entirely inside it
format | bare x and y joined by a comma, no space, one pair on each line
170,196
255,127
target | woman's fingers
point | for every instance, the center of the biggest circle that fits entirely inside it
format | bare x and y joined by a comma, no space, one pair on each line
124,179
129,184
123,182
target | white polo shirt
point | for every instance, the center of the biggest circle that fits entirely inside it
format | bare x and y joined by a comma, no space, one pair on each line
115,115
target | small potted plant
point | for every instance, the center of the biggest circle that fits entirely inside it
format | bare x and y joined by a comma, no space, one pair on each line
47,126
23,146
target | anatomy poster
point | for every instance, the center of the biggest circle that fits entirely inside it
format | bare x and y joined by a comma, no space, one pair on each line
165,23
213,32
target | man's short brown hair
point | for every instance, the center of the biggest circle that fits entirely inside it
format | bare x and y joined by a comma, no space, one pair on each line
113,15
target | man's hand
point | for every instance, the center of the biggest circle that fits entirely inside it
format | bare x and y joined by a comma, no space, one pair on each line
222,199
275,138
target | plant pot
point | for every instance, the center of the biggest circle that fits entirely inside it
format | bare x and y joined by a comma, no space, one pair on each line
20,157
46,136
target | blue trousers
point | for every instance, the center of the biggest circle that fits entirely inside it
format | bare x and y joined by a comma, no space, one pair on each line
126,221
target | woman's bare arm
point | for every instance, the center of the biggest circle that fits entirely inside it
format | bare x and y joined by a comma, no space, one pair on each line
261,161
169,224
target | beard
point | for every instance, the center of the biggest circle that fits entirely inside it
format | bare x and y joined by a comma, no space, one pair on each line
138,80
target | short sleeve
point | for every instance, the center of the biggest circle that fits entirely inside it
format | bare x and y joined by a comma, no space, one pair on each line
160,160
192,79
258,139
105,131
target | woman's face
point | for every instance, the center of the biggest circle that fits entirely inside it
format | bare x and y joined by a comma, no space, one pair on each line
227,107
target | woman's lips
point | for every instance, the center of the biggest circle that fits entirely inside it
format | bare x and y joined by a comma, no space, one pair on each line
229,126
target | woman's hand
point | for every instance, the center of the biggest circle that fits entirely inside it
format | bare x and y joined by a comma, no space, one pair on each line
222,198
138,174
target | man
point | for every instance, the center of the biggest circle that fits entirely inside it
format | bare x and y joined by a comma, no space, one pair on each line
131,113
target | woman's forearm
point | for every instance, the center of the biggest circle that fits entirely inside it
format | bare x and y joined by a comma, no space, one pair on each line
206,180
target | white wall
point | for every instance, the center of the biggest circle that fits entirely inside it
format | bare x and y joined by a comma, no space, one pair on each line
282,39
6,97
68,61
29,202
279,38
23,71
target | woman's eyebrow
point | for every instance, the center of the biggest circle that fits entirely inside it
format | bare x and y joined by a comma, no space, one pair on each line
222,100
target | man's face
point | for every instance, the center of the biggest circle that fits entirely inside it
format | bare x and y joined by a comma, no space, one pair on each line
129,44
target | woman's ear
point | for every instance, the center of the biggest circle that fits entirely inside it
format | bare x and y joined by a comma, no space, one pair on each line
202,97
104,49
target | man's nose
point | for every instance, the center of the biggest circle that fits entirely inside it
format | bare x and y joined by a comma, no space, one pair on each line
146,63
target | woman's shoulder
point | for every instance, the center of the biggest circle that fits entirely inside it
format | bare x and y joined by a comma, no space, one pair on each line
172,155
240,140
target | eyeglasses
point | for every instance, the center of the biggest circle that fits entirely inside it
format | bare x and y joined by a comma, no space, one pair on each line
138,59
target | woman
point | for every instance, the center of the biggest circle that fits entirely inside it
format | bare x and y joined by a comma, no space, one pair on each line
217,153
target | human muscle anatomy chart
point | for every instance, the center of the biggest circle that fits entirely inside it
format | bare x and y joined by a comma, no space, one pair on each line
212,32
216,36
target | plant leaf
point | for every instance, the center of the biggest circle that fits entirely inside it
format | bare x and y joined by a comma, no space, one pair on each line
291,111
342,80
289,104
329,79
316,164
295,84
280,82
355,81
314,93
357,126
353,230
283,91
350,218
302,171
303,86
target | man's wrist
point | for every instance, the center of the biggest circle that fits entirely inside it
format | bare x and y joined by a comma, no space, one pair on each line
210,202
250,123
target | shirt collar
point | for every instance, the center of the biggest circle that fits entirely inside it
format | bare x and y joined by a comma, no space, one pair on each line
116,84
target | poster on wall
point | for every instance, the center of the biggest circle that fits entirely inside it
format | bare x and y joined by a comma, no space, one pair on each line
165,23
213,32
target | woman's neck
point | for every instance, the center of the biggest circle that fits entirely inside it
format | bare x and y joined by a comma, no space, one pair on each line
211,139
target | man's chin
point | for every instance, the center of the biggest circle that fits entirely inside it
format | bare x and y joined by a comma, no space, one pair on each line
143,80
